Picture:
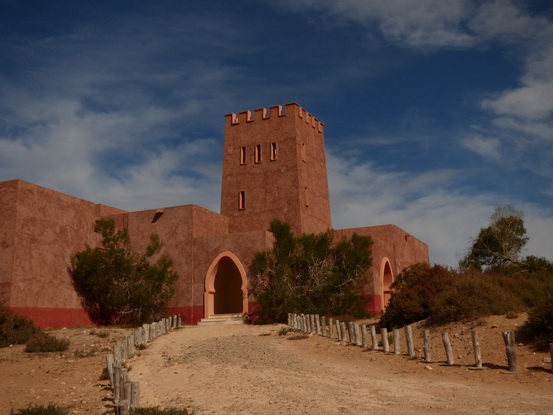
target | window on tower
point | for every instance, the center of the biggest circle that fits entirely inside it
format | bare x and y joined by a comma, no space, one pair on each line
242,155
303,152
273,151
257,158
242,200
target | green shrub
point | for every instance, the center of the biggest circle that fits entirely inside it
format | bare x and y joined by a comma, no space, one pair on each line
540,324
310,274
415,291
473,295
44,342
119,285
14,329
51,409
444,295
157,411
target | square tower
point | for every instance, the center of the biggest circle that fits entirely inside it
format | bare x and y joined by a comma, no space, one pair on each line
274,167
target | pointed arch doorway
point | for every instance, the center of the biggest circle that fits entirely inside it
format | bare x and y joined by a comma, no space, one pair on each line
226,286
386,278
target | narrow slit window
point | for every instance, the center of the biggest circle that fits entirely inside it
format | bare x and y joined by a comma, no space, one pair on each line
242,200
243,155
273,151
303,152
306,196
258,154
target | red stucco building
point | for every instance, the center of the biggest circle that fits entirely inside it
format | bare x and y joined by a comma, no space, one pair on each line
274,167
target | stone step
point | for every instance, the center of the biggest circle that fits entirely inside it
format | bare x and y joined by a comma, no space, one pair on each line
222,319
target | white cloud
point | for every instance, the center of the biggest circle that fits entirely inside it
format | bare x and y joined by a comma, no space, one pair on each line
485,147
424,24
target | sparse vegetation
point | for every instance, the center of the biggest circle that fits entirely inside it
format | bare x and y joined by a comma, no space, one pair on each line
51,409
14,329
119,285
44,342
309,274
100,333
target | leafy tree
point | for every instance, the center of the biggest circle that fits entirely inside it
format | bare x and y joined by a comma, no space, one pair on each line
310,274
119,285
500,243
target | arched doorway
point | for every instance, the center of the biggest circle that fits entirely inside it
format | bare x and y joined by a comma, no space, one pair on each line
387,279
225,286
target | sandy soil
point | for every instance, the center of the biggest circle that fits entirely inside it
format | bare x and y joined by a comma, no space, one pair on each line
254,370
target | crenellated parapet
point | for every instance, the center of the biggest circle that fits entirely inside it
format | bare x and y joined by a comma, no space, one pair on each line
276,111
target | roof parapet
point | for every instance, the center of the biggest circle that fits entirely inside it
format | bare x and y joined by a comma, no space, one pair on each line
274,111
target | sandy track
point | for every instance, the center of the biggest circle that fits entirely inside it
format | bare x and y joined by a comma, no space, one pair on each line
253,370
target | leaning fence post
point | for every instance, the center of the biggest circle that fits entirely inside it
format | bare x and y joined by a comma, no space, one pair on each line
397,346
384,335
343,327
510,349
409,339
323,326
364,334
476,346
447,347
339,330
373,337
330,328
427,346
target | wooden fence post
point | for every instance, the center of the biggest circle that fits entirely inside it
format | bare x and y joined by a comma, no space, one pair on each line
364,334
351,330
343,327
330,328
339,330
397,346
323,326
135,394
373,337
409,339
116,382
385,343
476,346
510,349
427,347
358,336
318,325
448,349
109,365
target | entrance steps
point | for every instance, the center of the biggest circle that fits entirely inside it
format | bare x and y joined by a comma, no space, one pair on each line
218,319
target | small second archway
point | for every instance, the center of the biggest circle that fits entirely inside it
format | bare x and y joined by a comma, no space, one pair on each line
386,278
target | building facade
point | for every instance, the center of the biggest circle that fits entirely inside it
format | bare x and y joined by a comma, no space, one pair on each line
274,167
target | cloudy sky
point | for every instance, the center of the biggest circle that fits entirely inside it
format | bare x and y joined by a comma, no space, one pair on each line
435,111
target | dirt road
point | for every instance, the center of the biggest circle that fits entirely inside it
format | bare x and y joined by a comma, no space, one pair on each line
253,370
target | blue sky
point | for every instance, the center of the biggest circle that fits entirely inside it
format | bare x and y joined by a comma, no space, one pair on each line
435,111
